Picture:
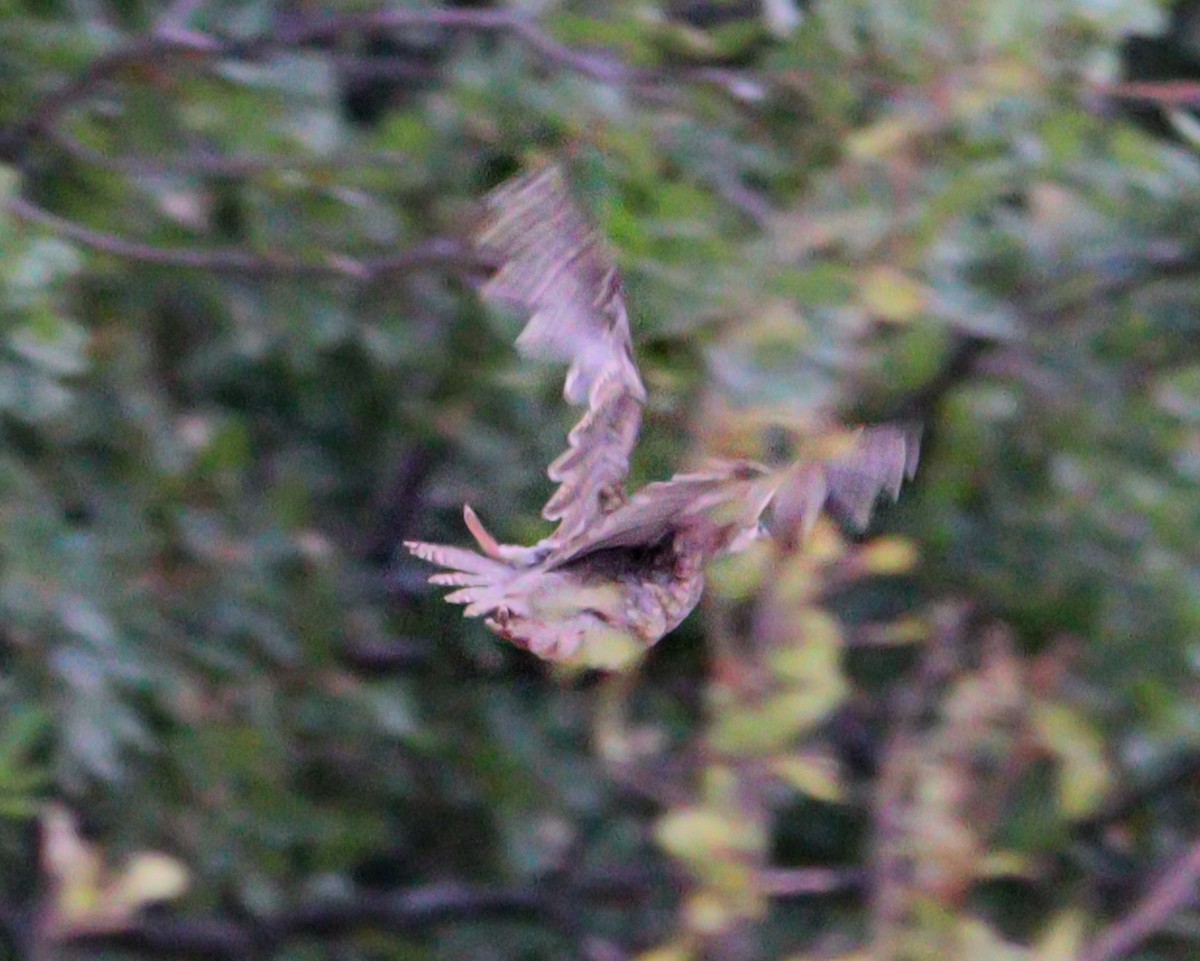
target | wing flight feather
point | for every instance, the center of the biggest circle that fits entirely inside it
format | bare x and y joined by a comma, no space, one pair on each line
879,461
556,267
732,493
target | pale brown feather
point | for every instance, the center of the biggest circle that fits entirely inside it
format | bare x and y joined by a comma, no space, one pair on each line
554,265
615,564
730,494
878,461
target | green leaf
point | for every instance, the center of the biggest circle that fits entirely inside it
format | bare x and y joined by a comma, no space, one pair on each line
52,343
893,296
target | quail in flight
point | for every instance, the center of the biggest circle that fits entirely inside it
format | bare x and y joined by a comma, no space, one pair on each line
619,572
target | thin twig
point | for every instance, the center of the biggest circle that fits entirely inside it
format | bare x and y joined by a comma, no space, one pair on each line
440,252
1174,890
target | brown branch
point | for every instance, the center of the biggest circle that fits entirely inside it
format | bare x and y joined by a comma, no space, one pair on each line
604,69
1174,890
407,912
889,859
397,504
441,252
1165,93
206,163
172,43
806,882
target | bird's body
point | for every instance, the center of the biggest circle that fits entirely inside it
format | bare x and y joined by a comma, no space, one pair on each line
618,570
637,575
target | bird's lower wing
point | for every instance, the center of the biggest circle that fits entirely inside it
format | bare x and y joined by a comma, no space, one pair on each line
729,495
878,460
732,496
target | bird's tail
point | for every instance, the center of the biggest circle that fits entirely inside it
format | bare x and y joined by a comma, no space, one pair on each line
480,579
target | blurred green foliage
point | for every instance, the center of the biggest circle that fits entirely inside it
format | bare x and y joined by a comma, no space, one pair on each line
240,359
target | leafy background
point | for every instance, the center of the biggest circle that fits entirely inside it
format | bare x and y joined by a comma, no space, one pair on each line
242,359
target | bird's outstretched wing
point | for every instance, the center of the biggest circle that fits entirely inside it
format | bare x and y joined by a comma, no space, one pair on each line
731,496
878,460
552,264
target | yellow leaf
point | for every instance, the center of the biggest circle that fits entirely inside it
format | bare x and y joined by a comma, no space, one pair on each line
734,880
1062,940
815,776
1083,774
977,940
886,137
148,878
892,295
1007,864
668,952
889,555
814,657
777,722
707,913
699,834
82,899
824,544
692,833
736,577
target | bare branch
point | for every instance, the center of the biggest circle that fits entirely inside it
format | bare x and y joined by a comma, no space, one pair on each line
207,163
175,43
440,252
1164,93
406,911
174,20
889,857
806,882
1174,890
605,69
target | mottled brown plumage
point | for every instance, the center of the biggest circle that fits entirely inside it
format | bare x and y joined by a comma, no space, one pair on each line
619,572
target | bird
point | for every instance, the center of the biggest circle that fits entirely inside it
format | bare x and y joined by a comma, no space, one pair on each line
620,571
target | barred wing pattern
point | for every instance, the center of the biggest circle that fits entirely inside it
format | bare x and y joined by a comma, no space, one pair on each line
729,495
732,496
555,266
621,571
882,459
878,462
